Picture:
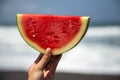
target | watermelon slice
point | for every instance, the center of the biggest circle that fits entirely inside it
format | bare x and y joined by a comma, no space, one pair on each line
60,33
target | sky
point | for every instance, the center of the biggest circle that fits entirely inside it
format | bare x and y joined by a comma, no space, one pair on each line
102,12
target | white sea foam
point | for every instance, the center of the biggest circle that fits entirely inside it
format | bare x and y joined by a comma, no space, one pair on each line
98,52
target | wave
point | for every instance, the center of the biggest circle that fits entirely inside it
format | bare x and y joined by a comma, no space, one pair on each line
98,52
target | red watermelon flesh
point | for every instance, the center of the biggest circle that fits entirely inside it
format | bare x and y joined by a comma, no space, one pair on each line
53,31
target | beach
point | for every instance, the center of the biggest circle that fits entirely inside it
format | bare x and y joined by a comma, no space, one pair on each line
97,53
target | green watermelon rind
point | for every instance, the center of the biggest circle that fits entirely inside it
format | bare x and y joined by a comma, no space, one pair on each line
30,43
87,21
87,25
57,51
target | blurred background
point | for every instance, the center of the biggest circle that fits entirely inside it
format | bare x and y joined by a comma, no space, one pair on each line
96,57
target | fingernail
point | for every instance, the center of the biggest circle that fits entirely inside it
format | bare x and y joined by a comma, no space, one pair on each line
48,51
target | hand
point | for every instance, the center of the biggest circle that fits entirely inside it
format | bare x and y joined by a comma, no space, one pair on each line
44,66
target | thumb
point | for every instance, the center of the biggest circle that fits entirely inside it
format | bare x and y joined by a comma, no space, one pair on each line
45,59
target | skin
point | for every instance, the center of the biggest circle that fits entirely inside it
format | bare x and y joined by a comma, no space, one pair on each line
44,66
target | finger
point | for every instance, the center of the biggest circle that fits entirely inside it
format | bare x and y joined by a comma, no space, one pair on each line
38,59
45,59
54,62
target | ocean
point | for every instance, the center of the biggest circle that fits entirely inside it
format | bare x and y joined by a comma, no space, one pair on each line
97,53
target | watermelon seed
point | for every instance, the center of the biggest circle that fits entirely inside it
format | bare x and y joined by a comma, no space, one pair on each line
33,35
56,37
33,31
64,32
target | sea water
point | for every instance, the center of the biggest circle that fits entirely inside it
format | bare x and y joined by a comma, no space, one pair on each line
97,53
